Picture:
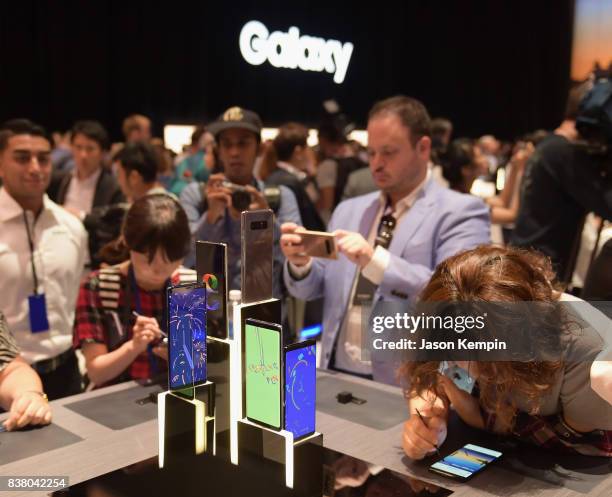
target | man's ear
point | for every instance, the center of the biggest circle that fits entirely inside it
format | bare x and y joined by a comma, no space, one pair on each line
424,145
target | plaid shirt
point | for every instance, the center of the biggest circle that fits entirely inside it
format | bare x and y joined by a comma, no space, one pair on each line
102,308
8,345
552,432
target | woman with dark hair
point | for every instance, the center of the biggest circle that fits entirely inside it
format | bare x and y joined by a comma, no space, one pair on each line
120,308
462,163
544,402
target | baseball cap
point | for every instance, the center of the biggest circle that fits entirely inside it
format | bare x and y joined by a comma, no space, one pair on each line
236,117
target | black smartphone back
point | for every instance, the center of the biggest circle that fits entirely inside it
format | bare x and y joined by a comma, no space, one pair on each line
257,245
211,266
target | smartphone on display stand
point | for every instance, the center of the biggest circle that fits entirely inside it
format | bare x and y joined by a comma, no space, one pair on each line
186,319
299,400
211,266
257,245
464,463
319,244
263,373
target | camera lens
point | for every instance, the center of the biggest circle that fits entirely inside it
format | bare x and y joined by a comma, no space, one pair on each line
241,200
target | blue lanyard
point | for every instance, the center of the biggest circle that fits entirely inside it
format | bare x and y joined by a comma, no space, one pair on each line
138,305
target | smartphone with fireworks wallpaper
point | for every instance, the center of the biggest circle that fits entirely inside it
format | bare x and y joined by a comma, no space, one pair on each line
186,311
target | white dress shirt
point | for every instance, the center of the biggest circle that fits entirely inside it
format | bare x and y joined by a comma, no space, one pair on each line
60,245
80,194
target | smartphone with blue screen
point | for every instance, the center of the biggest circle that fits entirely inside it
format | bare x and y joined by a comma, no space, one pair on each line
300,378
464,463
263,371
186,325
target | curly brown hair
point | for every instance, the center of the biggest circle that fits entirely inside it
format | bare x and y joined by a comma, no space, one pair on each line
494,274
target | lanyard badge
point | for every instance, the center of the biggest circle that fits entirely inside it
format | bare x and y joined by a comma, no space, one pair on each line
37,303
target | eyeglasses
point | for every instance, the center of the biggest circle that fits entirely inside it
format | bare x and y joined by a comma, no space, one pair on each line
24,158
385,231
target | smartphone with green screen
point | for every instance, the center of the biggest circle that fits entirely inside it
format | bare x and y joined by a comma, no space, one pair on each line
263,373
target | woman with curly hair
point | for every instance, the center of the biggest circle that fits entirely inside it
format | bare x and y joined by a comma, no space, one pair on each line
545,402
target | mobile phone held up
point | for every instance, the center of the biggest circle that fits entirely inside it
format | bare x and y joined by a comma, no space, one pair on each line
464,463
319,244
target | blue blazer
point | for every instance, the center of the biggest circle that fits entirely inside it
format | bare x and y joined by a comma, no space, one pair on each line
440,223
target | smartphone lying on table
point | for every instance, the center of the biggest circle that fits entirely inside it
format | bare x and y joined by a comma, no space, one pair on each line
464,463
319,244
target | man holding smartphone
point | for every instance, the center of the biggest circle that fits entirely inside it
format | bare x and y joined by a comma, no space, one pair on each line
390,241
238,133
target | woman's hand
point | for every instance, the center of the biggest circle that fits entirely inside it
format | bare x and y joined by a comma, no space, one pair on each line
467,407
145,331
421,438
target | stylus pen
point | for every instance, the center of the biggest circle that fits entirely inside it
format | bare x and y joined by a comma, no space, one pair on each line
427,426
138,315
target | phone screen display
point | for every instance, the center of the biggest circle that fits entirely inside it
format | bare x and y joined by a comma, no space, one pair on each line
186,336
466,461
263,373
211,264
300,389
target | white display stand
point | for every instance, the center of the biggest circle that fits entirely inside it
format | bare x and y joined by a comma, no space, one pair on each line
301,459
186,425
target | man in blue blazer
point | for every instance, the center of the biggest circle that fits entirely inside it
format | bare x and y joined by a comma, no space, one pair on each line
391,240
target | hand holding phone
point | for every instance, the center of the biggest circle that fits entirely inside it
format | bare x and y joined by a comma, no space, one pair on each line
291,244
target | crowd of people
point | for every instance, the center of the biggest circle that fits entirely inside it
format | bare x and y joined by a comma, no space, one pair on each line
91,235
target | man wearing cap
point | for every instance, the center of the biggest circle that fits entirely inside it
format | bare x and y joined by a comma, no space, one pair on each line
237,132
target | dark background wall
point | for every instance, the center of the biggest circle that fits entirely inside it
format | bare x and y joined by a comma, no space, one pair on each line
493,66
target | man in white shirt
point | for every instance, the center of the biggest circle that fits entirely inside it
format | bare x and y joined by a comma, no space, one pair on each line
42,251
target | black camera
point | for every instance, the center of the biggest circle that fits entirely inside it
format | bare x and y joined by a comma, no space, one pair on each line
241,198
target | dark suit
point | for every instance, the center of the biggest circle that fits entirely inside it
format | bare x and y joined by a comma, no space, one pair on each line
107,193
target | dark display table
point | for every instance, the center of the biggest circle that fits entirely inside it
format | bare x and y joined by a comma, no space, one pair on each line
365,446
